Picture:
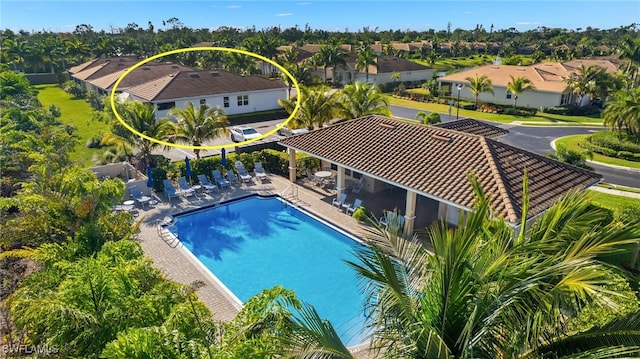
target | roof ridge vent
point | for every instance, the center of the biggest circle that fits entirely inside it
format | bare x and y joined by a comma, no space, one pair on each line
194,74
441,138
214,73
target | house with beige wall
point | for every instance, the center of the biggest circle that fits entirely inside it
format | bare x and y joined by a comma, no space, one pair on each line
548,78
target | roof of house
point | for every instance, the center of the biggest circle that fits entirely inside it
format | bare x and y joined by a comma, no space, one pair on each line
387,64
102,67
436,162
140,75
546,76
475,127
183,84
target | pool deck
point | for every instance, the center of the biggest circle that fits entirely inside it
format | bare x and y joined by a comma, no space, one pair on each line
180,266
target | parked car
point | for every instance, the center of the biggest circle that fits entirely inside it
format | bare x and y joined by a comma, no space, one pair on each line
286,131
243,133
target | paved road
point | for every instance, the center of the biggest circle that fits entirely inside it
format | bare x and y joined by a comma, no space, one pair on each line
538,139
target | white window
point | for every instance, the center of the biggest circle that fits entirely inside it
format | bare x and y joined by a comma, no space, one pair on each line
203,101
166,105
225,101
243,100
508,94
564,99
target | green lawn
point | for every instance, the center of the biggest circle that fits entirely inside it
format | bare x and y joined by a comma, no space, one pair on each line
613,202
539,117
76,113
446,64
571,143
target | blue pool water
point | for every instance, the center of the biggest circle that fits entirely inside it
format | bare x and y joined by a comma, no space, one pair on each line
257,243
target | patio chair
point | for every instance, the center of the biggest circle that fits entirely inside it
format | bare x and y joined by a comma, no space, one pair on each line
232,178
312,177
219,180
185,189
339,201
204,182
358,186
388,218
244,175
138,196
169,190
259,170
349,208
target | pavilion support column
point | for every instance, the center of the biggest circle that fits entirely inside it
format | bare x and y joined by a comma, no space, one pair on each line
340,181
410,213
292,165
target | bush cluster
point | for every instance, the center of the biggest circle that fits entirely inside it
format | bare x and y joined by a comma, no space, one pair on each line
571,110
609,144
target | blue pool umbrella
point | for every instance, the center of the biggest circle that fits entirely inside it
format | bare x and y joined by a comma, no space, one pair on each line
187,163
149,177
223,161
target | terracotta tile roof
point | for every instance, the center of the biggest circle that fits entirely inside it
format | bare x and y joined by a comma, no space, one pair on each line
475,127
436,161
387,64
184,84
546,76
140,75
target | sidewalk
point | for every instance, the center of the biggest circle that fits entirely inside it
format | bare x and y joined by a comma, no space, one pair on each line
616,192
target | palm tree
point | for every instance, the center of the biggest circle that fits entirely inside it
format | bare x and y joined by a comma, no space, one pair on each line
366,57
478,85
301,73
331,56
428,118
629,49
622,112
198,125
585,80
484,293
518,85
141,117
362,99
316,109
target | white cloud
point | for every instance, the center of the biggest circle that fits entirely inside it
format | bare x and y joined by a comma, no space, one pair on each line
304,3
234,7
284,14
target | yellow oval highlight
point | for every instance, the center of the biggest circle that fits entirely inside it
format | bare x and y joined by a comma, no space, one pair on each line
177,51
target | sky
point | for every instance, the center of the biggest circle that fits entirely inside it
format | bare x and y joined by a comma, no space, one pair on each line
63,16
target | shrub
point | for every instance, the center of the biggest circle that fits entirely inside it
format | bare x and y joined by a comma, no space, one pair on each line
360,214
611,140
431,119
74,89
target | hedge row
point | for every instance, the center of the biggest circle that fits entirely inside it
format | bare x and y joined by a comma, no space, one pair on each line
571,110
611,152
275,162
611,140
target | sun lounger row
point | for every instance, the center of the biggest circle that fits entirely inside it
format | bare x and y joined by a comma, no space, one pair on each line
341,203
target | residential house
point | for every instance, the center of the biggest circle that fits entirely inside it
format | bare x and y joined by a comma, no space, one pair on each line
233,93
548,78
84,73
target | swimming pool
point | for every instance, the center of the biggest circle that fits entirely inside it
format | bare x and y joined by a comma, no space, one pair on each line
259,242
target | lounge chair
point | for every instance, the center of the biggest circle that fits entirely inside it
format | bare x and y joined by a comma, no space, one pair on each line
388,218
204,182
339,201
259,170
169,190
349,208
185,189
232,178
138,196
244,175
219,180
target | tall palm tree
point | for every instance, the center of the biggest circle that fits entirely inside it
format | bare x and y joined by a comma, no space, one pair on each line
622,112
317,108
302,74
585,80
331,56
478,85
141,117
366,57
196,125
518,85
629,50
362,99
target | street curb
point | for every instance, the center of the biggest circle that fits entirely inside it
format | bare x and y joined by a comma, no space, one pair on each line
553,145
